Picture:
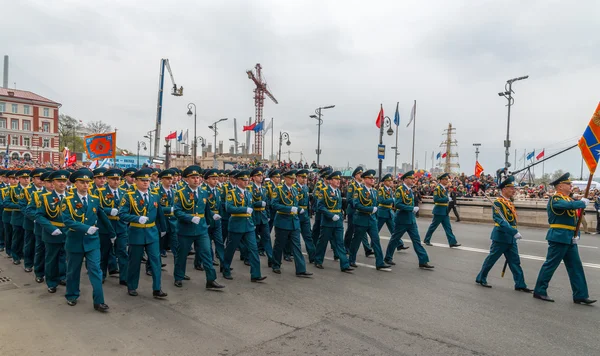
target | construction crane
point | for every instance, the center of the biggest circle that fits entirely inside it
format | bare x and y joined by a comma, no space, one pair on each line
259,101
174,91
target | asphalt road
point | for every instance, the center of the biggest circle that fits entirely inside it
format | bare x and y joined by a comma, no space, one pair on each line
407,311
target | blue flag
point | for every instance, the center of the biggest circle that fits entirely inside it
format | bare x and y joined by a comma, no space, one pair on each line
531,154
397,115
438,155
180,137
258,127
6,156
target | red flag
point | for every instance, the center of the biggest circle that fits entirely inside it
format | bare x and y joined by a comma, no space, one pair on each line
478,169
379,120
171,136
445,154
540,155
249,128
72,160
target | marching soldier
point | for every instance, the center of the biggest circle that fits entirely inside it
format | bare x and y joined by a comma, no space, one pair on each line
54,231
7,212
154,183
405,222
99,180
11,202
287,224
81,212
28,208
166,193
385,206
110,201
227,186
39,259
440,212
332,225
365,220
140,208
129,182
352,187
3,184
270,186
213,220
260,215
562,244
504,238
303,202
190,210
241,226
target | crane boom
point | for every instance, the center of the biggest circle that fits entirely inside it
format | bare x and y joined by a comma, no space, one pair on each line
259,101
176,92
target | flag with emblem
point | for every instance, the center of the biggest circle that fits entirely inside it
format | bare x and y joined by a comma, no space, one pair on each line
589,143
100,146
380,118
478,169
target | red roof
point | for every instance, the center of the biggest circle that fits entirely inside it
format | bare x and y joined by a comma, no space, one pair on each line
23,94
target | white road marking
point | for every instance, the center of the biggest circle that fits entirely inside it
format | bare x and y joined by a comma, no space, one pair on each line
546,242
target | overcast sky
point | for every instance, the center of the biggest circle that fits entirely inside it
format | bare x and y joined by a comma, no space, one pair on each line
452,57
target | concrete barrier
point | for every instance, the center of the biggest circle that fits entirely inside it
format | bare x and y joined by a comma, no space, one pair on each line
530,212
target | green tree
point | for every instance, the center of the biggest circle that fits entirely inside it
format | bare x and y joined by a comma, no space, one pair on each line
556,175
98,127
69,133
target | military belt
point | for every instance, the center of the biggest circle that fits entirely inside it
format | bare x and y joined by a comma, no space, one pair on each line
241,215
10,209
198,215
215,211
303,207
496,224
385,206
170,214
113,218
143,226
259,209
562,226
334,211
56,223
290,213
441,204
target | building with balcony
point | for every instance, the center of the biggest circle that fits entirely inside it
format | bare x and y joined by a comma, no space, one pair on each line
28,126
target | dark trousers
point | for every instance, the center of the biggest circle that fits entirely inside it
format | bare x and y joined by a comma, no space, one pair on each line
335,235
308,241
282,238
558,253
120,248
203,253
2,245
413,233
55,267
252,251
598,222
17,243
8,232
28,248
39,259
349,236
135,261
511,253
453,208
92,263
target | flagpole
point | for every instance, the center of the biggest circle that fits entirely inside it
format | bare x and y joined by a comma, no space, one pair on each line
413,142
543,162
270,158
396,149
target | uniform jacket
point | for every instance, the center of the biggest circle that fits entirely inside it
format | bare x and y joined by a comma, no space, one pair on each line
285,199
108,201
132,207
504,231
11,202
259,195
404,201
364,202
167,202
330,204
303,201
225,188
352,188
237,203
385,203
440,199
49,218
6,213
27,208
187,206
33,205
213,202
562,217
78,220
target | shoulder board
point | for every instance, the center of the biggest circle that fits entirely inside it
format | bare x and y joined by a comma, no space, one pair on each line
69,197
204,187
130,193
154,193
101,189
47,193
94,196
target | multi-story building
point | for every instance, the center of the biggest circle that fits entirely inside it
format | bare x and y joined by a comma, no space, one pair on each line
28,126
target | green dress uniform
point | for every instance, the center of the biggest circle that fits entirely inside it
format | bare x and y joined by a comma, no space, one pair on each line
79,215
260,217
385,209
167,202
54,233
39,247
562,246
2,185
317,195
305,231
225,188
365,222
287,226
191,210
241,226
110,200
6,217
332,229
12,203
215,231
350,210
504,241
405,222
28,207
440,215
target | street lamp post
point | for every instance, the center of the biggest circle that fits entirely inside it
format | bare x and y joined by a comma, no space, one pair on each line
143,145
318,117
189,113
507,93
282,136
149,137
477,145
387,122
214,128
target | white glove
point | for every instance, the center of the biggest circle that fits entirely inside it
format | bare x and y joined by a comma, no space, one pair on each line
143,219
294,210
196,220
449,199
575,240
335,218
216,217
56,232
114,212
585,200
249,210
171,210
301,211
374,209
92,230
112,241
264,204
416,209
518,236
163,233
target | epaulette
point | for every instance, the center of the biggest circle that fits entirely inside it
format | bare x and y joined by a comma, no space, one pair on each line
47,193
155,193
69,197
131,192
204,187
101,189
93,196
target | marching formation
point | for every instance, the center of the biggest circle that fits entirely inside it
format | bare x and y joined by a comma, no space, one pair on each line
114,220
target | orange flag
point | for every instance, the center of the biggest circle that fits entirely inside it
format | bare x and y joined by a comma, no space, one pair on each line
478,169
589,143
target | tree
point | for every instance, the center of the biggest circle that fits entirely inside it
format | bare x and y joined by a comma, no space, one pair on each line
69,133
557,174
98,127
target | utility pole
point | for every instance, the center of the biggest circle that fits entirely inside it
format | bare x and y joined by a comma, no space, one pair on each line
507,93
477,145
449,144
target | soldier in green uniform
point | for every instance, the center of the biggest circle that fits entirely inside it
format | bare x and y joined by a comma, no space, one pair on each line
405,222
40,249
241,226
356,183
99,180
7,212
562,243
81,214
504,238
385,206
166,192
28,208
3,184
213,219
12,202
270,185
287,224
317,194
141,209
332,224
154,178
303,202
260,214
54,231
365,220
227,186
128,180
191,210
440,212
110,201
